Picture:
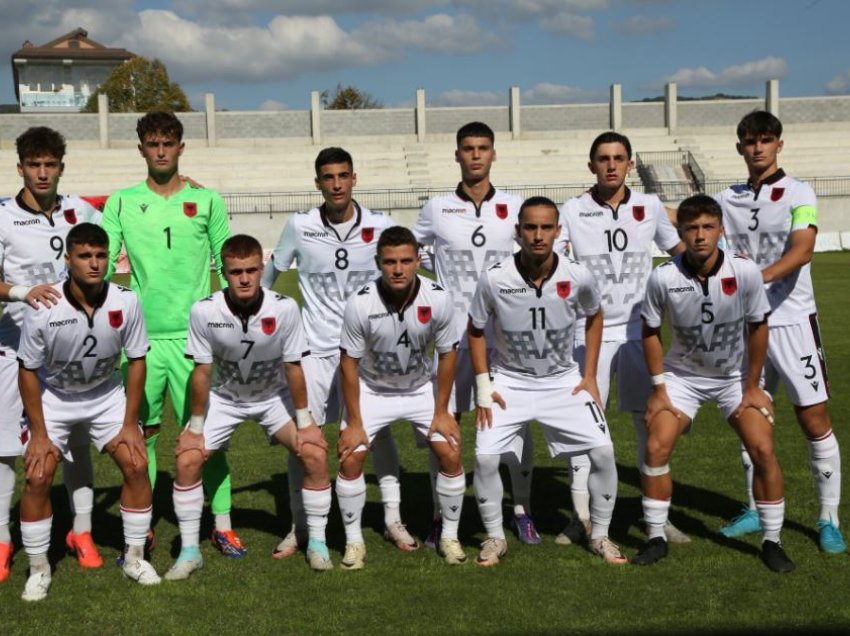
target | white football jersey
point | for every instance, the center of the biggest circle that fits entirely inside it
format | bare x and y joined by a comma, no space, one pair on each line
708,319
330,268
759,222
247,351
467,240
394,347
534,327
616,246
32,252
78,354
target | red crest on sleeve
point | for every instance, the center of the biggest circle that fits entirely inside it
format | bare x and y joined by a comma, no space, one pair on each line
776,194
563,288
367,234
116,318
638,212
424,314
729,285
268,325
502,210
190,208
70,216
25,435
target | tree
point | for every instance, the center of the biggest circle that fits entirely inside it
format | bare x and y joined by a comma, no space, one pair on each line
348,98
140,85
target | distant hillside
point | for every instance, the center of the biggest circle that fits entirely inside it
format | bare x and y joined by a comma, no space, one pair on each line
681,98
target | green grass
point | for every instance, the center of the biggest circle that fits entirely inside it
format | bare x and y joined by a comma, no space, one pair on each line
712,585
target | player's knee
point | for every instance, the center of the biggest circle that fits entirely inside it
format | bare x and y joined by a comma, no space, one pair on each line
762,452
189,465
487,464
814,420
134,473
314,459
352,466
40,484
658,450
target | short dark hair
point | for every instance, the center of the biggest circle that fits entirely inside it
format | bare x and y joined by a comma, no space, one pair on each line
86,234
38,141
159,121
332,155
395,236
533,202
759,122
240,246
475,129
610,137
696,206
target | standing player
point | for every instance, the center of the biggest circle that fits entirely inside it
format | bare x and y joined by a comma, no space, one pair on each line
33,226
389,328
334,246
610,229
68,381
718,318
169,229
471,229
247,346
773,220
534,298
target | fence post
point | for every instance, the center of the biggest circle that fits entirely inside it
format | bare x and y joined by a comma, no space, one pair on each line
315,118
420,115
616,106
771,97
670,107
103,119
209,100
513,109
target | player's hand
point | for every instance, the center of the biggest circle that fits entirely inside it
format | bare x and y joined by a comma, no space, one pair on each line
188,440
46,295
187,179
131,436
350,438
755,398
590,385
659,401
310,435
484,414
446,425
38,450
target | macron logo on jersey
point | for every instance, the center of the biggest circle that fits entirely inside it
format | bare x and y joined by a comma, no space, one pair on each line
679,290
221,325
27,222
453,210
511,292
590,214
62,323
309,234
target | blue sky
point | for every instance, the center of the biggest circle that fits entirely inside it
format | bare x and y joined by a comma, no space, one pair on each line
271,53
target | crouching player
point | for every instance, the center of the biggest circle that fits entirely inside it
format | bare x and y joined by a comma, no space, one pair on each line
68,380
247,346
388,329
718,312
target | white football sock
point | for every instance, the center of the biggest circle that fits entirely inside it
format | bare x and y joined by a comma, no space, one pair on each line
747,464
771,516
317,507
136,523
391,497
188,506
351,497
433,471
385,463
36,539
521,473
7,491
825,459
602,486
295,477
78,475
450,489
580,472
488,494
655,512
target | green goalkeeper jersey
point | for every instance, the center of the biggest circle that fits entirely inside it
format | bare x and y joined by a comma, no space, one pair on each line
168,243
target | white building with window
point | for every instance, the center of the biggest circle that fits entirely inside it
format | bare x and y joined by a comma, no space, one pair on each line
60,76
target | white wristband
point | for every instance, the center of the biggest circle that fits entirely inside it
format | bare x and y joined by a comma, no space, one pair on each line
303,419
657,379
19,292
483,391
196,423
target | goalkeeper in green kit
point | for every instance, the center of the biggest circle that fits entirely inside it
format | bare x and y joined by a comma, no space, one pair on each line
169,229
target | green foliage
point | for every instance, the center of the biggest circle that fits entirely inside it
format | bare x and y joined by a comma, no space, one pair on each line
348,98
712,585
140,85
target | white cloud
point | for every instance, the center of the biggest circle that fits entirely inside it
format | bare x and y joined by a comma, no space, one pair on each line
840,84
272,104
570,24
457,97
745,74
639,24
548,93
437,33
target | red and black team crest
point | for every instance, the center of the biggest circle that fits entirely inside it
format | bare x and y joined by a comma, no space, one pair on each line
190,208
729,285
70,216
367,234
776,194
268,325
638,212
563,288
424,314
502,210
116,318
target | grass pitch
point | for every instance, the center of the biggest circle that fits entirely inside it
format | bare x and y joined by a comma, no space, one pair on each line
713,585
